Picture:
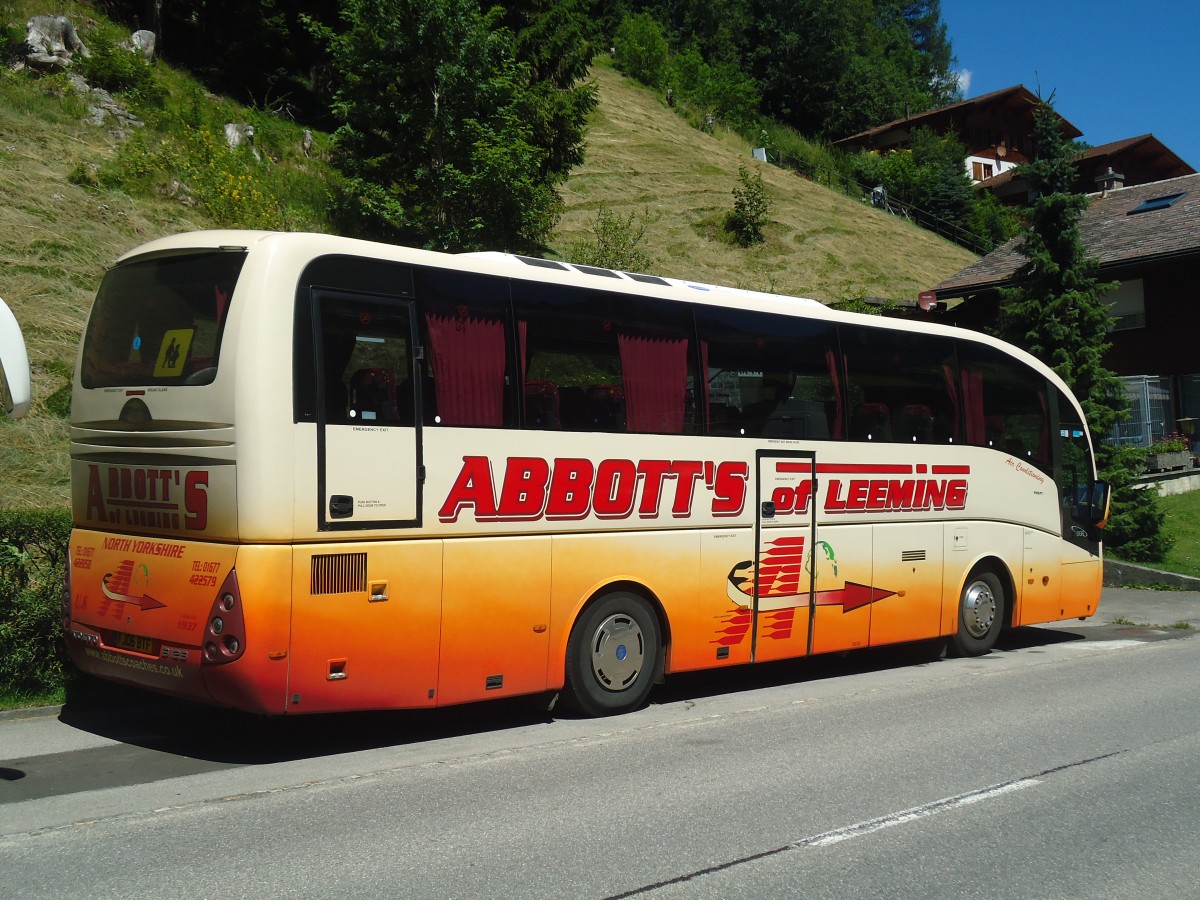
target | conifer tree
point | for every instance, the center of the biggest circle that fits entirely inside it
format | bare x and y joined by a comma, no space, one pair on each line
455,131
1056,311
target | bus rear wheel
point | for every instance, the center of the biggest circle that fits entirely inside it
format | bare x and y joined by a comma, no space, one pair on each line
613,655
980,614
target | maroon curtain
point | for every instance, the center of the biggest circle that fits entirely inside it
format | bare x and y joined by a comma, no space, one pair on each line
831,360
467,355
952,390
972,384
654,371
1044,431
522,336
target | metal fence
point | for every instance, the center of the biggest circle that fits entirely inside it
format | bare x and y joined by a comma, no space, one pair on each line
878,197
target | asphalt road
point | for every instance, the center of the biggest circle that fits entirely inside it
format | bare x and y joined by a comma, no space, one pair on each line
1065,764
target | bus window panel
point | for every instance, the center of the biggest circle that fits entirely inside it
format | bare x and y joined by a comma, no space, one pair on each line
366,363
769,376
160,321
899,386
620,364
1005,403
469,376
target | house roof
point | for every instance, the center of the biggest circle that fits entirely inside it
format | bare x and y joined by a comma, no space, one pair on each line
1145,149
1018,97
1147,152
1110,231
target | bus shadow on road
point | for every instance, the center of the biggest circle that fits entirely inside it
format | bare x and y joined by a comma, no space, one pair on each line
227,737
230,737
695,685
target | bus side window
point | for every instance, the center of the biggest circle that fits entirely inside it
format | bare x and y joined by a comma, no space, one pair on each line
595,361
902,386
365,361
769,376
467,379
1004,403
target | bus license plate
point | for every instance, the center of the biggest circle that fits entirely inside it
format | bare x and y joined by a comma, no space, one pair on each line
136,643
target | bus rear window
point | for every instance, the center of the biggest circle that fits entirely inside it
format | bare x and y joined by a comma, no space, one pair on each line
159,321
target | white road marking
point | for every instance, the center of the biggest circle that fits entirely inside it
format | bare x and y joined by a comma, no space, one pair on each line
917,812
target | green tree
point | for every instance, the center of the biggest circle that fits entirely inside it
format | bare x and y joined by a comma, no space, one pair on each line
929,39
930,176
553,38
721,91
443,137
641,49
1056,310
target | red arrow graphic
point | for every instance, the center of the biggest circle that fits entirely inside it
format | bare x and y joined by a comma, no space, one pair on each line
144,602
851,597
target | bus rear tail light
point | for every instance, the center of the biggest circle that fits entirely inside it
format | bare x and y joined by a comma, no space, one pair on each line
65,599
225,630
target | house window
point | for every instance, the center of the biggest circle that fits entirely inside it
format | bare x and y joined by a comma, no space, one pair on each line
981,171
1127,304
1157,203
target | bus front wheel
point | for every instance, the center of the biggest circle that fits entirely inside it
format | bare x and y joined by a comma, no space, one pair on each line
980,614
612,655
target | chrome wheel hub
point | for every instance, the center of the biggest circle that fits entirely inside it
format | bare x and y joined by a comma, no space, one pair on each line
618,652
979,609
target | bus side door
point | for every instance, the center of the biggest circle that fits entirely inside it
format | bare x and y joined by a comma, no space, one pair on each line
368,427
785,534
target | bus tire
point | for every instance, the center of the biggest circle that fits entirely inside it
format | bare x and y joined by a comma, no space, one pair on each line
980,614
613,655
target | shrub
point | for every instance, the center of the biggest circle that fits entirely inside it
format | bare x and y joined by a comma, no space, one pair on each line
750,207
33,555
120,70
616,243
197,163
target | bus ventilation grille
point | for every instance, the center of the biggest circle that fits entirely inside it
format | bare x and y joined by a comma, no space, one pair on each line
339,573
912,555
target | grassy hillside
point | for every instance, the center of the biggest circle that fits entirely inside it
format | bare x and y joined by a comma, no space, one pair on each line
643,159
57,234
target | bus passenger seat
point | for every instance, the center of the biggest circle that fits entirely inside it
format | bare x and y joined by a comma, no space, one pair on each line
873,422
915,423
606,407
573,408
541,404
995,431
373,396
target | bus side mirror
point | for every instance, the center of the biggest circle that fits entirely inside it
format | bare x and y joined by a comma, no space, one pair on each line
1100,503
14,366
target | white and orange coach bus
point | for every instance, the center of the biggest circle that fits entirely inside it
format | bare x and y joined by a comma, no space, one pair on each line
312,474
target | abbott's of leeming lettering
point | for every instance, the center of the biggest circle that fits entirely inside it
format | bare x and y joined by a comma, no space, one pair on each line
533,488
152,498
924,493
